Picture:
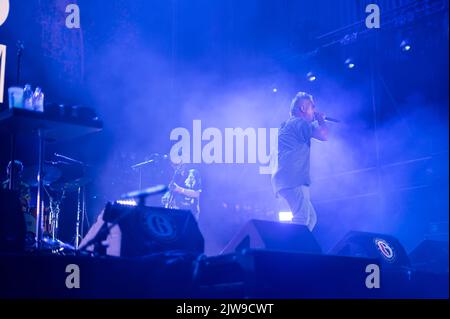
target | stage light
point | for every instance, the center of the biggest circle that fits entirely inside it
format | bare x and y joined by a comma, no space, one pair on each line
405,46
4,11
126,202
285,216
349,63
274,90
311,77
2,71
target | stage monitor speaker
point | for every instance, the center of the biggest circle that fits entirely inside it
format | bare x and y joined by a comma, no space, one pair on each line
431,256
12,222
143,230
386,248
262,234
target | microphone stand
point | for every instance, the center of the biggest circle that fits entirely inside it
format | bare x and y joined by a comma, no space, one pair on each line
20,48
102,234
81,199
142,164
11,176
113,218
139,167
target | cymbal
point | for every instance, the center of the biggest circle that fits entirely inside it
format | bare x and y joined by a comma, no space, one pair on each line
51,243
50,173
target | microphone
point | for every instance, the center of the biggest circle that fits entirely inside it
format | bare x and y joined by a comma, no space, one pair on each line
330,119
154,158
326,118
138,165
158,189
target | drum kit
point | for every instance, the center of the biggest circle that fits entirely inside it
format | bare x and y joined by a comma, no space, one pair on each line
60,178
57,124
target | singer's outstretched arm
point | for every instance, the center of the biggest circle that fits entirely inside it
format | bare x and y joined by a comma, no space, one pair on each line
320,132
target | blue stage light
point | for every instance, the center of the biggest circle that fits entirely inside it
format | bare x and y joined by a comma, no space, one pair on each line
405,46
311,77
126,202
350,64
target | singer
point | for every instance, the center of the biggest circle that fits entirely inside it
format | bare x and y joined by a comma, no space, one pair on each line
291,179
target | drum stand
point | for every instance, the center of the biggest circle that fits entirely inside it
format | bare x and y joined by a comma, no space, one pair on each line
54,216
40,201
81,213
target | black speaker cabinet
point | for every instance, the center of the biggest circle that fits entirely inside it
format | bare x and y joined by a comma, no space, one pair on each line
262,234
386,248
12,222
431,256
143,230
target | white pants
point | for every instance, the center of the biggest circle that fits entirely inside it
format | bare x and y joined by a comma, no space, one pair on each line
299,200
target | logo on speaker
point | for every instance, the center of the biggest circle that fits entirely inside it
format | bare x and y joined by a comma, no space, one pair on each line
160,226
386,250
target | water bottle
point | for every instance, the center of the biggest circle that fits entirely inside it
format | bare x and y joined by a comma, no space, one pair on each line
28,97
38,100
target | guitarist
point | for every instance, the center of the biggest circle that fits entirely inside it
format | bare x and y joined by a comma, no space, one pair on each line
291,179
184,191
